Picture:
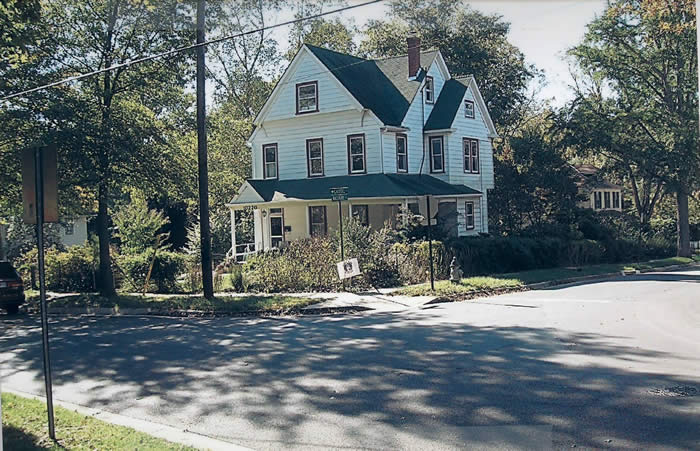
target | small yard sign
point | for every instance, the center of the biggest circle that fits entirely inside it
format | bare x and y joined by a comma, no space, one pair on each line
339,193
348,268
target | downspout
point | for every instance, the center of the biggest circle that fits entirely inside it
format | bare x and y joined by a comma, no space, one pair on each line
381,148
422,128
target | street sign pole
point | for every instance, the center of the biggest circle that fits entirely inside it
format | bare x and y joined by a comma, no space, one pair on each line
430,245
39,193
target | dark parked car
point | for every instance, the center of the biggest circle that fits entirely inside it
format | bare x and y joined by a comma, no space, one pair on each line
11,289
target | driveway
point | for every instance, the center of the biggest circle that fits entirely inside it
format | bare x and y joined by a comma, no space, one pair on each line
609,364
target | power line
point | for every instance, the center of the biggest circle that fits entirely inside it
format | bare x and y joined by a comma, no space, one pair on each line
182,49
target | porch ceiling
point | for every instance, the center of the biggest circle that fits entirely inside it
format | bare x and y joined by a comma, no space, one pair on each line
359,186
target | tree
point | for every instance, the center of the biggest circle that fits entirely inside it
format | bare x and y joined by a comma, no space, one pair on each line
644,53
472,43
329,33
109,128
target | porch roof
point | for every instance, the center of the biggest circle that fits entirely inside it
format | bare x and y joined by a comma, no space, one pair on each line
359,187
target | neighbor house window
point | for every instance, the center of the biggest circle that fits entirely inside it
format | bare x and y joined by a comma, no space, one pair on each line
361,214
471,155
437,154
69,227
307,97
429,90
606,196
616,199
357,163
270,161
314,157
469,109
401,153
469,215
598,200
317,221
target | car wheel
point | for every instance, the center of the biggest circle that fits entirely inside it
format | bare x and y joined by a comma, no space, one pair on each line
12,309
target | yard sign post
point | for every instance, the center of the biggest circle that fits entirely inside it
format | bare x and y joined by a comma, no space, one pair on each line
42,160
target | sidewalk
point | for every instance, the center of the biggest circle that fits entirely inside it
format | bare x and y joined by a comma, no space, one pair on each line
377,301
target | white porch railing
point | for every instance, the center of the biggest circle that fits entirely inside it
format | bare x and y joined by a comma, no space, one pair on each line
241,252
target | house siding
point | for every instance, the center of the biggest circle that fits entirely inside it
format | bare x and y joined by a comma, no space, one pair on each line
438,82
291,135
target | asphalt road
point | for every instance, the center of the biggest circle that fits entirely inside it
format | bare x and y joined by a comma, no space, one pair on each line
609,364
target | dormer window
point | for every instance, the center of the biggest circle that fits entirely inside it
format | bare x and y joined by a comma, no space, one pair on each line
469,109
307,97
429,90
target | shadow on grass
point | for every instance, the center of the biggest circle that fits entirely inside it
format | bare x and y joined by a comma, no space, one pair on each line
15,439
381,380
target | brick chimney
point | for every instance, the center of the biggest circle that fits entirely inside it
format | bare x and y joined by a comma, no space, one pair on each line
413,43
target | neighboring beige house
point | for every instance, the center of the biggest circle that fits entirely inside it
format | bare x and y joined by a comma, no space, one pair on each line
73,231
600,194
396,132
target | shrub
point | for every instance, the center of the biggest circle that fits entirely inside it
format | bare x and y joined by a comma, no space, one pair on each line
372,249
584,252
166,268
413,265
65,271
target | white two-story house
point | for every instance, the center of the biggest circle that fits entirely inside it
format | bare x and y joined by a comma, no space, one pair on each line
397,132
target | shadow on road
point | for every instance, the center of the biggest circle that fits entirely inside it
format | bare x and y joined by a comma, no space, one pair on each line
400,371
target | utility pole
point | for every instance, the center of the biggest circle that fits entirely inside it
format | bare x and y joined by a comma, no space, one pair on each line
207,282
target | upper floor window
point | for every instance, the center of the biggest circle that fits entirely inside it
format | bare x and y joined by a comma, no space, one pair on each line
471,155
357,161
469,215
469,109
69,228
307,97
606,196
437,154
270,161
314,157
598,200
429,90
401,153
361,214
616,199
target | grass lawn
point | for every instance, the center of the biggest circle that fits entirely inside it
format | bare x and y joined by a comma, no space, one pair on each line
222,304
25,428
519,279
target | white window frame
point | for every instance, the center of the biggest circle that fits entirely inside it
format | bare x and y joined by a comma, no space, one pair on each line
265,162
299,97
466,110
350,139
309,166
399,155
470,155
429,89
616,199
442,151
607,202
468,216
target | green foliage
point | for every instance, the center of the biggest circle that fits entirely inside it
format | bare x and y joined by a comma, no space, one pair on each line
166,268
139,227
412,261
65,271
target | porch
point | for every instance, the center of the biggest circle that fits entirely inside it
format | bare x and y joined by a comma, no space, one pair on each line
284,211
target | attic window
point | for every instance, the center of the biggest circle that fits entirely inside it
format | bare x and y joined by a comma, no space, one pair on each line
469,109
429,90
307,97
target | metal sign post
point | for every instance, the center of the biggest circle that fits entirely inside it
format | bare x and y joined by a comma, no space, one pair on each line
430,245
340,194
38,216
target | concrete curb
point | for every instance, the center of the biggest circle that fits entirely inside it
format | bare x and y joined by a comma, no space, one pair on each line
169,433
554,283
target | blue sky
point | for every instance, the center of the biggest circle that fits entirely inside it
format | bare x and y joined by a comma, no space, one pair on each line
542,29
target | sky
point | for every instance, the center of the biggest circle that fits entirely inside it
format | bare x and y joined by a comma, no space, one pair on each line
543,30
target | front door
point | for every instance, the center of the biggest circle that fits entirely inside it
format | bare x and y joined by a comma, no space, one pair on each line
276,227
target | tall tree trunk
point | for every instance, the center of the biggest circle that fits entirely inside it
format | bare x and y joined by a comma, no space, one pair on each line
683,222
105,279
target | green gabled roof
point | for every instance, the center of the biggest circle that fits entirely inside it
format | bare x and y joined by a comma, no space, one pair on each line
359,186
379,85
446,106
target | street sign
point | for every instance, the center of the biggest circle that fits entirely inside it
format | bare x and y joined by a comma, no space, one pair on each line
49,182
339,193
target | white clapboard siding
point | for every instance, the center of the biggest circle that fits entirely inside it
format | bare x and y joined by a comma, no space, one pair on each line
438,82
331,97
290,136
413,121
389,150
470,128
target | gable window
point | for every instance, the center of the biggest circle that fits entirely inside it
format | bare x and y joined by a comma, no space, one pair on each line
317,220
616,199
471,155
361,214
606,196
429,90
469,215
307,97
401,153
469,109
270,161
598,200
314,157
437,154
357,162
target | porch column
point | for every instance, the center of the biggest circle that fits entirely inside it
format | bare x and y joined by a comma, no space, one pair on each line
233,234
